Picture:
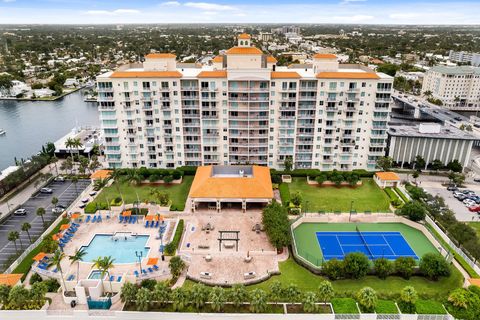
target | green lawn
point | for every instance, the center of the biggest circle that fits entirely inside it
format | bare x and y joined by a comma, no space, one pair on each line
178,192
476,226
367,197
308,247
293,273
386,307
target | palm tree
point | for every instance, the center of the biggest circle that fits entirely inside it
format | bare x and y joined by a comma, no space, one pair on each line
41,212
408,297
217,298
128,292
54,201
100,183
367,298
75,181
13,237
258,301
199,296
180,298
132,177
143,299
238,294
103,264
162,292
76,258
57,262
117,175
69,144
458,297
26,227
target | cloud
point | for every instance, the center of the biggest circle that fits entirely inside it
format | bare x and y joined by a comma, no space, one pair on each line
112,13
351,1
170,4
354,18
403,15
209,6
6,1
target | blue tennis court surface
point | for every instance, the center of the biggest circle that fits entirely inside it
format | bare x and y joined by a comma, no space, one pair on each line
374,245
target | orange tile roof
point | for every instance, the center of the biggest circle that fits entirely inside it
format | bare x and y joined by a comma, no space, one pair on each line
244,50
271,59
474,282
387,176
217,59
205,186
101,174
244,36
160,56
285,75
347,75
10,279
213,74
324,56
146,74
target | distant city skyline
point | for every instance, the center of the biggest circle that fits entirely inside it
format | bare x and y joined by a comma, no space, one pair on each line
439,12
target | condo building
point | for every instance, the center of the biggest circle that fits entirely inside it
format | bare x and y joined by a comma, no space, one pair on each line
457,87
244,109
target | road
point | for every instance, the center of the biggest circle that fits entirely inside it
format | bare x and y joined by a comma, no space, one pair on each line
66,192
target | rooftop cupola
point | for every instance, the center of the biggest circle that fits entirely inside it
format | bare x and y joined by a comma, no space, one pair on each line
244,40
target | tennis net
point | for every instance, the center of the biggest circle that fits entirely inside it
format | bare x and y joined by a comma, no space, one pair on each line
364,241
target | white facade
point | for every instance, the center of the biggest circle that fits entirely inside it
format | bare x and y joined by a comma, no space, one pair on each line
465,57
457,87
244,109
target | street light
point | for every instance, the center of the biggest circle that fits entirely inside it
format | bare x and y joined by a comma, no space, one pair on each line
351,209
139,255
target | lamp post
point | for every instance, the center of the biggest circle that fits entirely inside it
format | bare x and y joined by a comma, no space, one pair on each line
351,209
139,255
161,231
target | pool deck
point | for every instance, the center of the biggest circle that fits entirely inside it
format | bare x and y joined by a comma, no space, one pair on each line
87,231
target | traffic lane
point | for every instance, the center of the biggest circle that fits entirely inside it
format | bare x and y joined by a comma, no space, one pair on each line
461,211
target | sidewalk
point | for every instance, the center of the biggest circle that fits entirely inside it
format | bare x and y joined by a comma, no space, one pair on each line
7,205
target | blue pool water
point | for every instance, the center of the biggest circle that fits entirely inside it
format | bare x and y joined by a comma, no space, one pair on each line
95,274
122,251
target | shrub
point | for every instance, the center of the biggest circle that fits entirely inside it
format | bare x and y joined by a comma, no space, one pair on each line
296,199
154,177
383,267
116,202
408,297
176,174
148,283
277,225
52,285
333,269
356,265
367,298
404,266
176,266
187,170
434,266
276,179
35,278
92,207
168,179
284,193
172,246
414,211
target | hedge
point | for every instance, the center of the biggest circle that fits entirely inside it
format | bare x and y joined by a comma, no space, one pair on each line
284,193
313,173
92,207
173,246
400,193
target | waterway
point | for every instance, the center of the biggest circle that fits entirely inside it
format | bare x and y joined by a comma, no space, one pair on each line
30,124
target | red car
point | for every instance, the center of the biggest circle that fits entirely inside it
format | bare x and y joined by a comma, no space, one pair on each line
474,209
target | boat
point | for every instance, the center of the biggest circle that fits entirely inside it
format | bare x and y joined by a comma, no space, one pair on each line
2,132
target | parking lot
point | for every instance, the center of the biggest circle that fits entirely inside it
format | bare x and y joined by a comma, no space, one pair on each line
461,211
66,192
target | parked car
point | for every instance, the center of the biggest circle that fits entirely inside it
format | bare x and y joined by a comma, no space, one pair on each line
46,190
91,194
469,202
82,205
457,194
60,179
474,209
452,187
85,200
476,179
58,210
468,192
20,212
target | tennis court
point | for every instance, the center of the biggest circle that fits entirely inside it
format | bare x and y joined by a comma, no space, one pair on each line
374,245
395,237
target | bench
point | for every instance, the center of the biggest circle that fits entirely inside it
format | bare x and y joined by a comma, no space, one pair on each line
249,275
205,275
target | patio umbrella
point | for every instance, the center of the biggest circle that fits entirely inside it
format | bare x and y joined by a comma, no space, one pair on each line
76,215
55,237
152,261
39,256
64,226
149,218
127,213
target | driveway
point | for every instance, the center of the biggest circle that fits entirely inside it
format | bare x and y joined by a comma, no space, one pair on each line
66,192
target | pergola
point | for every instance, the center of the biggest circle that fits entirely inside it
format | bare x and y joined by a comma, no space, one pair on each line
228,236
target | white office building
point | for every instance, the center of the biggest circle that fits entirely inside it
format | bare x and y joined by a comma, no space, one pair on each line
243,109
465,57
457,87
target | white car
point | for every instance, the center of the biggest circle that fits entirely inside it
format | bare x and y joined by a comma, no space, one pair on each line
20,212
46,190
85,200
469,202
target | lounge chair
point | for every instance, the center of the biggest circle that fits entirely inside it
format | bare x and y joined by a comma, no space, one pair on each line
94,219
143,271
120,219
70,277
146,224
108,217
136,273
150,270
112,278
155,267
156,224
99,219
119,278
88,219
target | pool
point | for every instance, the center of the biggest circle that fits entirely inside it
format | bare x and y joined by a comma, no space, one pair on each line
95,275
121,250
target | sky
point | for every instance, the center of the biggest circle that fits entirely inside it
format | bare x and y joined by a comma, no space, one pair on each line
464,12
